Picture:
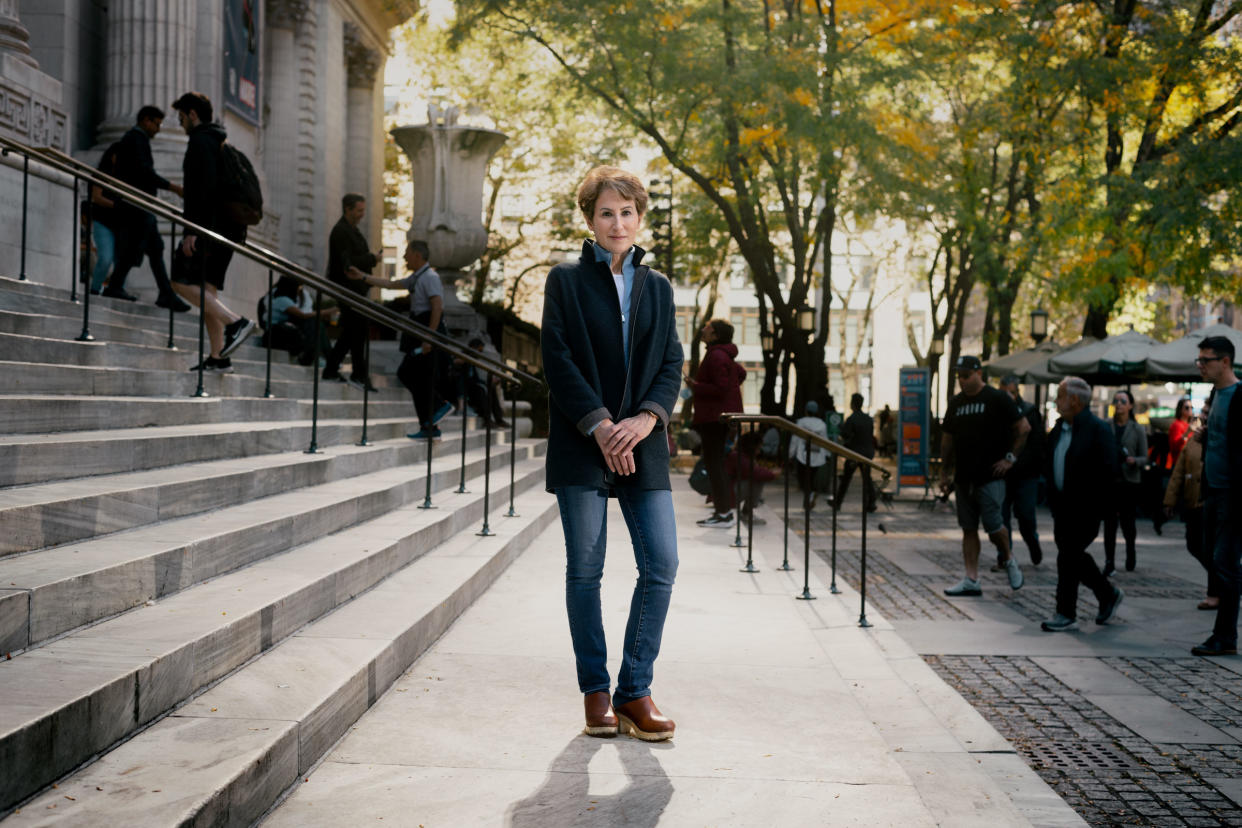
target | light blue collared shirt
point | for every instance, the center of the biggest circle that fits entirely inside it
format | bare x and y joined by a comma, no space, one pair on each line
1058,454
625,284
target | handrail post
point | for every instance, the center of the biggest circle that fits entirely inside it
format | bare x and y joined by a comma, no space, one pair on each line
267,334
25,199
75,259
430,437
750,501
487,474
366,384
313,448
202,317
85,264
461,487
512,446
806,540
833,587
862,578
172,255
784,450
737,502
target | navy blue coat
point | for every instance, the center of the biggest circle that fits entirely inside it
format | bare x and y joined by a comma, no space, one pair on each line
1090,466
587,373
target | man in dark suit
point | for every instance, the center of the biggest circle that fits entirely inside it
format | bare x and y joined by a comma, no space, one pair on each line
1081,462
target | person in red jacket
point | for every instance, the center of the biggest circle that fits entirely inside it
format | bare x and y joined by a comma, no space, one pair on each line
717,389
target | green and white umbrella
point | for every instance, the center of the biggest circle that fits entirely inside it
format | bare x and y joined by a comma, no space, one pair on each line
1116,360
1175,361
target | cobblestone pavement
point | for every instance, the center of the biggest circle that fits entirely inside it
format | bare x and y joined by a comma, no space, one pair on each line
1109,774
1104,767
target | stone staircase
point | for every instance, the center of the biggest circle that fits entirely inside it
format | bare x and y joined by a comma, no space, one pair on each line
192,608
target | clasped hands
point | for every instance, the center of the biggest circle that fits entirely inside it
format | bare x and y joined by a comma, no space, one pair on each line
617,440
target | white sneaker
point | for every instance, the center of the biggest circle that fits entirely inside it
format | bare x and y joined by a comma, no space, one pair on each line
967,587
1014,572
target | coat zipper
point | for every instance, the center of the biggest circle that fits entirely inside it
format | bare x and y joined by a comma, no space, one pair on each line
629,360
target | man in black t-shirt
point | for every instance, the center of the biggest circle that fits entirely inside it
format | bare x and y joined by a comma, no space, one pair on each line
981,437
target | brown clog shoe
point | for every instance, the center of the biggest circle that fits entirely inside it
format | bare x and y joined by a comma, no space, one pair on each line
600,719
642,720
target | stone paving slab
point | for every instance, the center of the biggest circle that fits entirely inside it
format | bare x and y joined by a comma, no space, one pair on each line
788,714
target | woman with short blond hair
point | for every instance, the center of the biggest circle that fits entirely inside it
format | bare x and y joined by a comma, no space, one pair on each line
613,367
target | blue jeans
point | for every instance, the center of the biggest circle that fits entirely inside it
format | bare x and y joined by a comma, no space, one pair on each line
105,252
653,530
1223,533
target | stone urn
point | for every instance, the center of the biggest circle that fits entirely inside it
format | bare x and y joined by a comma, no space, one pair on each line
449,163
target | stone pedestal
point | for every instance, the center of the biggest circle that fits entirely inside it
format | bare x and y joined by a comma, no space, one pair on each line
30,100
449,163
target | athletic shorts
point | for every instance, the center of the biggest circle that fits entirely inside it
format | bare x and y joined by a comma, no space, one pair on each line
981,501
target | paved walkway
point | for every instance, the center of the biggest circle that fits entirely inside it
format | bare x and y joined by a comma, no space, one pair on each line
788,714
1120,719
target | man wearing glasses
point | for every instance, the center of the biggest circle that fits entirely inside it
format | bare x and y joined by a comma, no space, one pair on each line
982,435
1222,490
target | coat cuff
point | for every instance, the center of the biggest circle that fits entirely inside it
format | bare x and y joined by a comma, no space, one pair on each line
592,419
658,410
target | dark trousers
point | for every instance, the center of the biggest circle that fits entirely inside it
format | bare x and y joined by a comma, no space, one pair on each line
1198,549
712,450
129,231
1020,497
1223,533
424,376
1076,566
868,487
1121,510
352,339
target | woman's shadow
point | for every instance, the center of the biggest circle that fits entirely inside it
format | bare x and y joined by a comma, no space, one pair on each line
564,798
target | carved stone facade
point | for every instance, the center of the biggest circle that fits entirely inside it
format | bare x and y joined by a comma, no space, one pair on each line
319,130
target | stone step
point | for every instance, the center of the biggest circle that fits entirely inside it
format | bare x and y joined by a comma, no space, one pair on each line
58,589
78,696
46,414
247,380
30,459
50,514
248,360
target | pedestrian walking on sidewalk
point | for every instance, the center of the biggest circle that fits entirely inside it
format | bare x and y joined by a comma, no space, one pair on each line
1022,481
1125,489
981,437
1080,463
613,368
1185,495
857,435
717,388
808,460
1222,490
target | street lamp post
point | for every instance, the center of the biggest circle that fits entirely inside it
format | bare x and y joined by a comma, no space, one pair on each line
934,352
1039,325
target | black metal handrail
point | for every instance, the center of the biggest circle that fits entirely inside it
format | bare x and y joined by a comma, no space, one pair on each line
865,464
364,306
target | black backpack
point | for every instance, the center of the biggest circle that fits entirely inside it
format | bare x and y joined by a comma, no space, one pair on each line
241,197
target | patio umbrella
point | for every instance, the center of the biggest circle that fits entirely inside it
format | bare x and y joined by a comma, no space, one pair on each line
1021,363
1116,360
1175,361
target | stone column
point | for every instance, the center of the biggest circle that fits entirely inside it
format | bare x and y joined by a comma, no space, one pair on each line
14,39
150,60
361,66
284,20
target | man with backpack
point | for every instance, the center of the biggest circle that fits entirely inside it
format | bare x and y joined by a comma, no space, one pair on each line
214,184
136,231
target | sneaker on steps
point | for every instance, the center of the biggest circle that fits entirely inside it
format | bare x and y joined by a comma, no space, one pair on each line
235,334
716,521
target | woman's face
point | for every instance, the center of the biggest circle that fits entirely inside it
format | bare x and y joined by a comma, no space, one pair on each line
616,222
1184,411
1121,405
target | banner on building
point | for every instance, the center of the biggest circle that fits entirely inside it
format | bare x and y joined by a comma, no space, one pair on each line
912,427
241,58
